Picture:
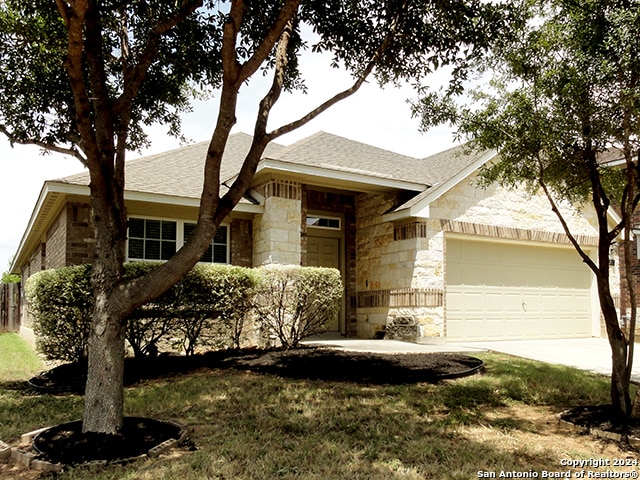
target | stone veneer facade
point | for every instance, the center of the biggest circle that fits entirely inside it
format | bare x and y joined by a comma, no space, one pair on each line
276,233
400,277
401,267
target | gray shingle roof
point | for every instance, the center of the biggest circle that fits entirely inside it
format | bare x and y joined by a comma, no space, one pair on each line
444,165
179,172
333,152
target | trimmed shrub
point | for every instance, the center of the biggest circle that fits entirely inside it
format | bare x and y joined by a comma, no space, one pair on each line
233,288
61,303
210,305
294,302
150,323
206,308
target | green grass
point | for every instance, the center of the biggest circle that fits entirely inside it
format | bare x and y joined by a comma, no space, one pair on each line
18,360
251,426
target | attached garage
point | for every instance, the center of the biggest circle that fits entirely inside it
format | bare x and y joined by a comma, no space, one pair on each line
506,291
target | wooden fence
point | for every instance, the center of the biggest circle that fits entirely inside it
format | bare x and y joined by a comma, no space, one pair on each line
9,307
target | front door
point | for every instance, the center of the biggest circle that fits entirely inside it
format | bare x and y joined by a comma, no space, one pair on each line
325,252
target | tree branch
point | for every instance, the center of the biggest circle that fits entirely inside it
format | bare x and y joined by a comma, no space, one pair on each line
384,46
134,76
63,8
260,140
231,66
47,146
74,66
287,13
554,207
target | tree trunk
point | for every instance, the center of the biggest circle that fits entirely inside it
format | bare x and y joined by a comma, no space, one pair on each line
104,394
620,396
104,391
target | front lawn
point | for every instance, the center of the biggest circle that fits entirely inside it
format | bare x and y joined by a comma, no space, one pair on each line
17,360
255,426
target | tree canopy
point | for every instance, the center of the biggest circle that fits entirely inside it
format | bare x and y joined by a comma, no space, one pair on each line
562,108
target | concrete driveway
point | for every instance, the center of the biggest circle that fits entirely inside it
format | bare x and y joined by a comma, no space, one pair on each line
590,354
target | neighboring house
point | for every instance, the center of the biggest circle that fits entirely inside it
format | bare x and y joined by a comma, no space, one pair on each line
424,253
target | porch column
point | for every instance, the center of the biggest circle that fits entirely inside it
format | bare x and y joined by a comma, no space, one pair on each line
276,233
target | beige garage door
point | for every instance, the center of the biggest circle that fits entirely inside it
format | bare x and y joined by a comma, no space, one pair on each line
499,291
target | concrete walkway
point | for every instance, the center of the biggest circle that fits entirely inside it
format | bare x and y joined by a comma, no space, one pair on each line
590,354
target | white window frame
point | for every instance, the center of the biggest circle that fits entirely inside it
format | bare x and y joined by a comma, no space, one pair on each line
180,240
136,259
213,245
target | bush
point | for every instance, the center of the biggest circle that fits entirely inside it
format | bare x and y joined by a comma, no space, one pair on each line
210,305
61,303
294,302
233,289
207,307
150,323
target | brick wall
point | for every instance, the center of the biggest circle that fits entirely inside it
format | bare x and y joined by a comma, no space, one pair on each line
56,240
241,243
80,236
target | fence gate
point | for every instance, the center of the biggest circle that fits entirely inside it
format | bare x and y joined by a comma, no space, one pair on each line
9,307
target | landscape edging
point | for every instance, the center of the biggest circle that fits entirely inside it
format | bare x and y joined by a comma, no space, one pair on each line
26,458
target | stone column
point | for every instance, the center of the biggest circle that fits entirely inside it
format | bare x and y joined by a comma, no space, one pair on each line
276,234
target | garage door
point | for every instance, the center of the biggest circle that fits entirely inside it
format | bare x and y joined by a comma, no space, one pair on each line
499,291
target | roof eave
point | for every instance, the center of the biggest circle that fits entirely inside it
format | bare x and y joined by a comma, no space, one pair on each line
422,208
162,199
50,189
332,176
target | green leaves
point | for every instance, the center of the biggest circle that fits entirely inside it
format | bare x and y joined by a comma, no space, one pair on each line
294,302
33,85
564,89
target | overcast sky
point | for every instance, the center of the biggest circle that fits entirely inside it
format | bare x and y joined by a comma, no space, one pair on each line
379,117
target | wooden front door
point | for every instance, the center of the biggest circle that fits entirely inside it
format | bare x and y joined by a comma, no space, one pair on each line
325,252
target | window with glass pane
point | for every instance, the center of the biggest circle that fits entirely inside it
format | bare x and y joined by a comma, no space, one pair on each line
217,251
323,222
151,239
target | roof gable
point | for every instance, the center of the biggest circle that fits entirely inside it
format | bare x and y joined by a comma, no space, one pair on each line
449,168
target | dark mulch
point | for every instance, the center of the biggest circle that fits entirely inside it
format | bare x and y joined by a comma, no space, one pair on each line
368,368
66,444
601,417
309,363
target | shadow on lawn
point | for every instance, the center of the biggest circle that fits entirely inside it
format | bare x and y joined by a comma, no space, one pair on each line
302,363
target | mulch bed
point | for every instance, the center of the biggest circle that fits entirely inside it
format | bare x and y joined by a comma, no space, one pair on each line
310,363
66,444
601,417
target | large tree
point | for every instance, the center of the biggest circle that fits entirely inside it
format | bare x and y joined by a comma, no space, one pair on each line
84,77
563,100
